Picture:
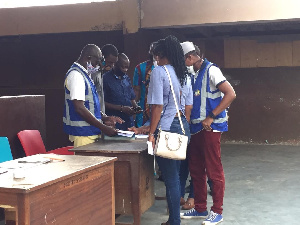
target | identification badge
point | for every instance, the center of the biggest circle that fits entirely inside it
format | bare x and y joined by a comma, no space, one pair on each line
197,93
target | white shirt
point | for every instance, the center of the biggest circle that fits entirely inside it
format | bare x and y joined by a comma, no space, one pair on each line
215,77
75,84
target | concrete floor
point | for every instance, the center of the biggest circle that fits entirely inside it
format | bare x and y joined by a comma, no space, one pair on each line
262,187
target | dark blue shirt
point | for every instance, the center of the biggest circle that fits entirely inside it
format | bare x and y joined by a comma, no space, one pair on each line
118,91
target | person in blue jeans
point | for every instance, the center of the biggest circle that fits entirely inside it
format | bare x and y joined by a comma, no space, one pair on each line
168,52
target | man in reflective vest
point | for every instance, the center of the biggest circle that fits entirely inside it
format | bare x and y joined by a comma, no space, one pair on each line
212,96
82,117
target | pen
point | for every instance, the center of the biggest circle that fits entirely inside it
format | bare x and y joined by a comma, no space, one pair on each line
30,161
61,160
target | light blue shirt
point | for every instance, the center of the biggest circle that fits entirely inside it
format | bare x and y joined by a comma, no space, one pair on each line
159,93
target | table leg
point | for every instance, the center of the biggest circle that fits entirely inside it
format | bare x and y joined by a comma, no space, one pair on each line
2,217
135,191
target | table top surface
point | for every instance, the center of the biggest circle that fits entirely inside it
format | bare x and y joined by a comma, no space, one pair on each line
44,169
109,146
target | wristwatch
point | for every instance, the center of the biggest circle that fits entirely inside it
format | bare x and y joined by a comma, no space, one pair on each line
211,115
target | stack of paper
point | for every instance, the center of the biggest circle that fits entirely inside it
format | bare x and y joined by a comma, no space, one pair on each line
125,133
122,136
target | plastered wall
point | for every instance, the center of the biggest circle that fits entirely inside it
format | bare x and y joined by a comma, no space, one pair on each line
158,13
130,15
104,16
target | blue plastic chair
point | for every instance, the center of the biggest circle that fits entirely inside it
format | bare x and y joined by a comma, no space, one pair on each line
5,151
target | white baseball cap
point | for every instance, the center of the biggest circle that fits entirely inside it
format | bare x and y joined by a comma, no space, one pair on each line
187,47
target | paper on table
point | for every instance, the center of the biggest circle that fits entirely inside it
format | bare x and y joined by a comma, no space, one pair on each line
141,136
125,133
118,138
2,170
38,160
150,148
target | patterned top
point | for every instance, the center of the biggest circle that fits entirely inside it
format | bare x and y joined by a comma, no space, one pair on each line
141,78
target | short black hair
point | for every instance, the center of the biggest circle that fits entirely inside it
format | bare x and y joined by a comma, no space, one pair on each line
109,49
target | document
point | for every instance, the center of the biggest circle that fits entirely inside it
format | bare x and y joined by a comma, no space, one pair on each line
150,148
2,170
125,133
141,136
36,160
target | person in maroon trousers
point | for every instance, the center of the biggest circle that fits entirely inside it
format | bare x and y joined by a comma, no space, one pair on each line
212,96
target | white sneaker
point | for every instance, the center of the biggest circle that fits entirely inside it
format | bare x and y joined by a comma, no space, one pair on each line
213,218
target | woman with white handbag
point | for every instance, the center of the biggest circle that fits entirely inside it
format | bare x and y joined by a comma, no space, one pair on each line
168,127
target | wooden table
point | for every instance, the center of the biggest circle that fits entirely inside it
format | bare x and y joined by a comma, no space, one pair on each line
134,174
60,192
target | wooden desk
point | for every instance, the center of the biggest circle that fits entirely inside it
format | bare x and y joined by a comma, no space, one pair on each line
68,192
134,174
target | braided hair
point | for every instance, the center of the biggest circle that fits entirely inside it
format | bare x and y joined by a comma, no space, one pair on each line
171,49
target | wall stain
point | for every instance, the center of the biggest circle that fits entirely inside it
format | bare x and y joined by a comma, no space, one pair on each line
107,27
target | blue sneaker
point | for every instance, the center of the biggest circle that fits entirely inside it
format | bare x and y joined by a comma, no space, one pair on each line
213,218
193,214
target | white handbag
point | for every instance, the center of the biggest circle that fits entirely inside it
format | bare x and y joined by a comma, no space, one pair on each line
171,145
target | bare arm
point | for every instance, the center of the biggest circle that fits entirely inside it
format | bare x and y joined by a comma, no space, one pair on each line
113,106
155,117
137,91
133,103
188,110
91,119
140,130
125,109
229,96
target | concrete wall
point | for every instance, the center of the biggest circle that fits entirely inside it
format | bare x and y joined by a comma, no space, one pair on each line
130,15
158,13
104,16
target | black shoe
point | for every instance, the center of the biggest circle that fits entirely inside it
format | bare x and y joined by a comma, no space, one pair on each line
166,223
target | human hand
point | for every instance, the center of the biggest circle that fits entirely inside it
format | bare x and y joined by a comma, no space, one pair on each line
109,131
207,122
112,120
152,140
139,130
138,109
134,129
128,110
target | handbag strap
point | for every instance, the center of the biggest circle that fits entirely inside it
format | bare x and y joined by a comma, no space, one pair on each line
172,89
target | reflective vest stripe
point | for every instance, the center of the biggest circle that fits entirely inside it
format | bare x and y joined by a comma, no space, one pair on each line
77,123
207,102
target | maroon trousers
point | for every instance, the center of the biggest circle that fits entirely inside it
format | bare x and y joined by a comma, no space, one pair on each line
205,161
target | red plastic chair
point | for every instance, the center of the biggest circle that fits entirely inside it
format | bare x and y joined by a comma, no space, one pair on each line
32,143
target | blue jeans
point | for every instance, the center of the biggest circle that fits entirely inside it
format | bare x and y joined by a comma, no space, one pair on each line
170,171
